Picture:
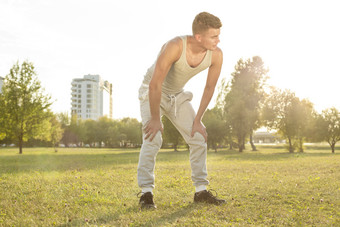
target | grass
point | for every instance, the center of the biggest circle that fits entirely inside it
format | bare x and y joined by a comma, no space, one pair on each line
98,187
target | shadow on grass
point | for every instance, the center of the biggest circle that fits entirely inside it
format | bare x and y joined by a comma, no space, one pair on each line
161,220
104,219
170,218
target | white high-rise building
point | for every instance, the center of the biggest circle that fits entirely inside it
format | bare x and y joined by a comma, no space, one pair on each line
1,83
91,97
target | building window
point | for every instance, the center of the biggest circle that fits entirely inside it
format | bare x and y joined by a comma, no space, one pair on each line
79,106
89,86
88,106
79,85
89,96
79,101
89,101
89,90
79,96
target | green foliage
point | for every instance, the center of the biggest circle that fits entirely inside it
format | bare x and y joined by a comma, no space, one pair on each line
56,131
131,130
24,107
2,118
242,98
171,134
216,129
327,127
290,116
104,131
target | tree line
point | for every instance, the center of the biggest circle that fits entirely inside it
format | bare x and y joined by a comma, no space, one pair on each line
104,132
247,103
244,104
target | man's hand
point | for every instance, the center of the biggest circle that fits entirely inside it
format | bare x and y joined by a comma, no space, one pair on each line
151,129
200,128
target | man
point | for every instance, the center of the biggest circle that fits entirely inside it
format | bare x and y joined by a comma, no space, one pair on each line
162,93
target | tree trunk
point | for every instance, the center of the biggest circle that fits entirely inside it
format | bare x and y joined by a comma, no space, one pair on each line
20,145
291,149
243,142
253,147
175,148
333,148
215,148
301,145
240,143
21,137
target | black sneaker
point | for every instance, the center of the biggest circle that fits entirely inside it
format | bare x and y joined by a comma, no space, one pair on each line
146,200
207,197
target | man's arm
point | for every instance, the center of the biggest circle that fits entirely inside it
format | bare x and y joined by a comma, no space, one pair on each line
213,75
170,53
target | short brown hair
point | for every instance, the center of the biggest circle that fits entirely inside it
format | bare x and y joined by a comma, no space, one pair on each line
203,21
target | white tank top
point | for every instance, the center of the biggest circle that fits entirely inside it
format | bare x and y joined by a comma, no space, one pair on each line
180,72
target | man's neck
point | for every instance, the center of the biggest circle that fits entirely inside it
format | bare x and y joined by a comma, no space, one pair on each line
194,46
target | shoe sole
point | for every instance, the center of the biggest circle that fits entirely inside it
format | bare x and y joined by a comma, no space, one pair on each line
149,207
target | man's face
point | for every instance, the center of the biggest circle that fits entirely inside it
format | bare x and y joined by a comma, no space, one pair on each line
210,38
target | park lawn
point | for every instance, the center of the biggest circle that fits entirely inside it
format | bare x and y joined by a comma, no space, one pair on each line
98,187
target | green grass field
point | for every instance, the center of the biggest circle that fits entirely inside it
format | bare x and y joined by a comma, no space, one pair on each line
98,187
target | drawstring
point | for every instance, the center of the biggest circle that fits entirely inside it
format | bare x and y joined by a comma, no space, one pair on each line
173,101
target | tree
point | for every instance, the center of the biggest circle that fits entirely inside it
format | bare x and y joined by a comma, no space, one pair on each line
56,132
223,90
305,116
171,134
131,131
216,129
104,123
2,118
91,133
328,127
242,101
113,134
289,115
24,107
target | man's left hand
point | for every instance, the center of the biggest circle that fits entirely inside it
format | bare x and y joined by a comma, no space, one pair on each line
200,128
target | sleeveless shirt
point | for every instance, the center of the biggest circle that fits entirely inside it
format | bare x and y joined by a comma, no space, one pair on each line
180,72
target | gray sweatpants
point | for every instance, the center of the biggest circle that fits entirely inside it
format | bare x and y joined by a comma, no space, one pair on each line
181,113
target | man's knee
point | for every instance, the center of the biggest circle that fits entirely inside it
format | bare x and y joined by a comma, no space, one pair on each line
197,140
156,143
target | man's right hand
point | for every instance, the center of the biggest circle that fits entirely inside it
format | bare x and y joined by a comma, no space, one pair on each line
151,128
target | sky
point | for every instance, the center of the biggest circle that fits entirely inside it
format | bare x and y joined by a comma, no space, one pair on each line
298,40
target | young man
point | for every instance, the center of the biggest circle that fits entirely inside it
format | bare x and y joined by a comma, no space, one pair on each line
162,93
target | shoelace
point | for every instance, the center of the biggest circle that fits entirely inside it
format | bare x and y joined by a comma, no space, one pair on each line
140,194
211,194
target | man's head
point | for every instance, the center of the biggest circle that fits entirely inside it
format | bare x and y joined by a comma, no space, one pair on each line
203,21
206,30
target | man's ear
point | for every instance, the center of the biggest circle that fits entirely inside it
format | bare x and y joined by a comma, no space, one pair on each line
198,37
